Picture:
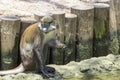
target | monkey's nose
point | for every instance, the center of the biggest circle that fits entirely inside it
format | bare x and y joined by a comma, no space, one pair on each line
44,29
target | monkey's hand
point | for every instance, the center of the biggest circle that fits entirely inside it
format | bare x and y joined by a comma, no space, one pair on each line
57,44
62,46
48,72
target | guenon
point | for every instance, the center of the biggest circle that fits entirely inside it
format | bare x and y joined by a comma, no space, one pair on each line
32,44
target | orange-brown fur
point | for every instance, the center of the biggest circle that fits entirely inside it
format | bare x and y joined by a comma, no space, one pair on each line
30,36
32,32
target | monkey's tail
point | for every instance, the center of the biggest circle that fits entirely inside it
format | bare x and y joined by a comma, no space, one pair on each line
18,69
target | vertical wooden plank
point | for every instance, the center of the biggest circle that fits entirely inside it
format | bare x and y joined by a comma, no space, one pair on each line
96,1
58,54
102,1
10,29
117,12
70,37
101,29
0,44
38,16
114,43
25,22
85,15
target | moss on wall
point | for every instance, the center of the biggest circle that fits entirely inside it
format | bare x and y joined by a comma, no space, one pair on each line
84,51
99,29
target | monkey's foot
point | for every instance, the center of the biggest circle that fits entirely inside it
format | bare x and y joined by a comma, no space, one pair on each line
50,69
48,72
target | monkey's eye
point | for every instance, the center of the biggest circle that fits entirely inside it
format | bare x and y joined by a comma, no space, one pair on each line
45,25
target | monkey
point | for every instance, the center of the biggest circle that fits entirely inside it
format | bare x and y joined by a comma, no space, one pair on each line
32,43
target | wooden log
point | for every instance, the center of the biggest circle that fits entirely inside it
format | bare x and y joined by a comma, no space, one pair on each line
114,44
96,1
102,1
58,54
85,15
0,44
25,22
38,16
117,12
70,37
101,29
10,28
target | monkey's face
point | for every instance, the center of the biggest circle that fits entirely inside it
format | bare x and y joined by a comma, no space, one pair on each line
47,24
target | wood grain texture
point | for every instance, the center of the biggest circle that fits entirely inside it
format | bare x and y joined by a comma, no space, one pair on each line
10,29
85,19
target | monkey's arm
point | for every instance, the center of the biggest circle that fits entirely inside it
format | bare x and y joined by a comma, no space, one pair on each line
56,43
39,58
41,68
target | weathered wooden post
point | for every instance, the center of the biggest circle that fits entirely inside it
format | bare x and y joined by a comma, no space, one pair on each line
101,1
96,1
10,29
0,44
38,16
57,54
117,12
70,37
114,44
25,22
101,29
85,15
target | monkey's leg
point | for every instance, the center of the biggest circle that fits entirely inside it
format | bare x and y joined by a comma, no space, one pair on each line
40,61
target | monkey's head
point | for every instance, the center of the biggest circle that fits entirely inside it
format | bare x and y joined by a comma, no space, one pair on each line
47,24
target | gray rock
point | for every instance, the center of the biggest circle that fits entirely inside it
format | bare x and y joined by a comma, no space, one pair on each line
79,70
